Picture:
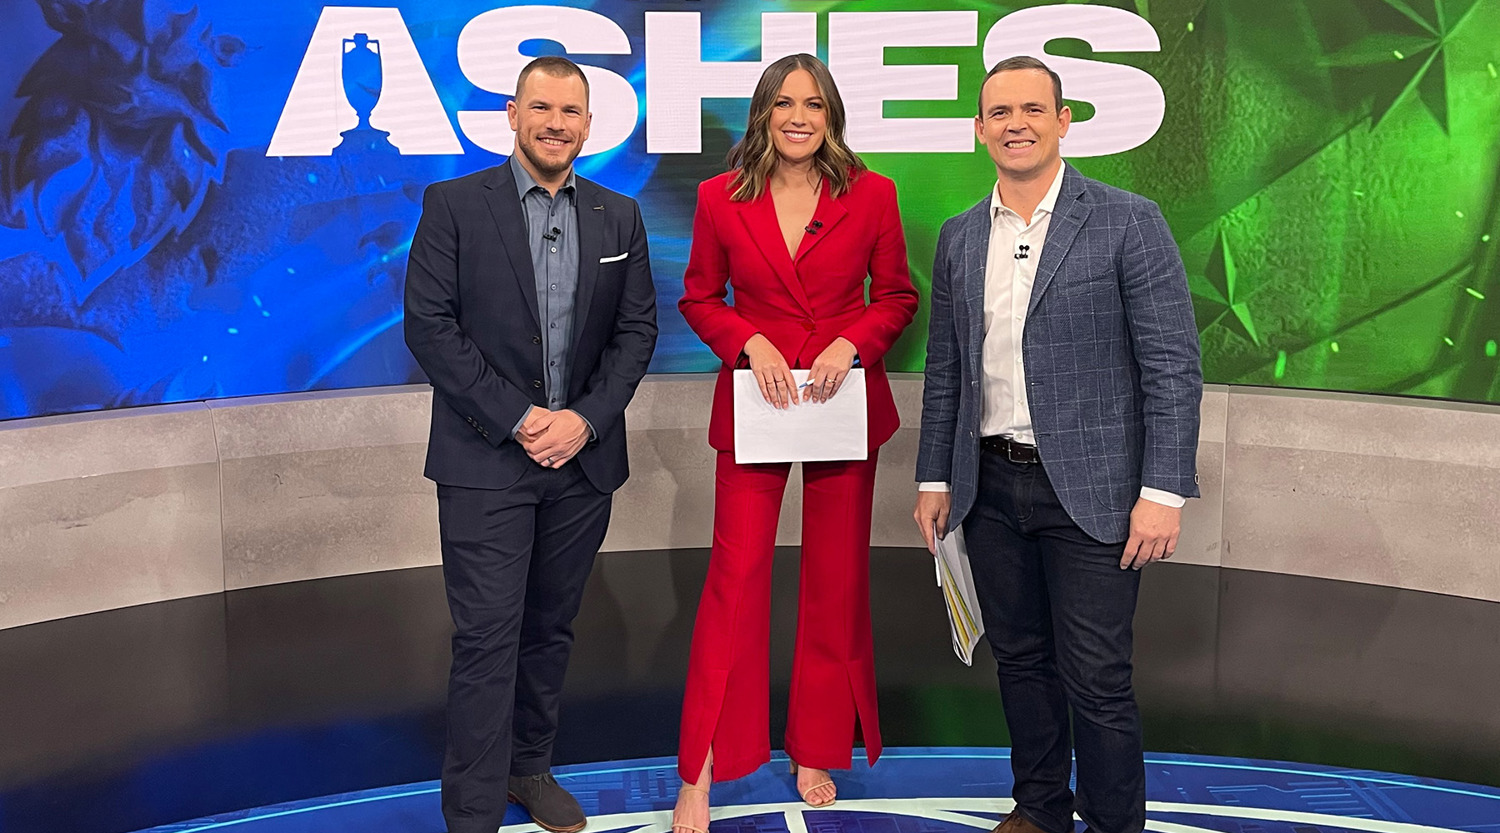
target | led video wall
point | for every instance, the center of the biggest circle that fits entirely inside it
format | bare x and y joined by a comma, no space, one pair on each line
214,199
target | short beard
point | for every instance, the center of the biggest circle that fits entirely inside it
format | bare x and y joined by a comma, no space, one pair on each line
543,167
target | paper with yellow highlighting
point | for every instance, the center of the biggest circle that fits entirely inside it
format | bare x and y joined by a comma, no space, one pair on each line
965,622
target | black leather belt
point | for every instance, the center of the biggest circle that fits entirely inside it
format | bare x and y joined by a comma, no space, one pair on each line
1010,450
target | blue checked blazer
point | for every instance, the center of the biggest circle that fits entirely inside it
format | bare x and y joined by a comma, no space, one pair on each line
1110,349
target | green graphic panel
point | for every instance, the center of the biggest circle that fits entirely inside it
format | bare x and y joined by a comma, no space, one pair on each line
1329,170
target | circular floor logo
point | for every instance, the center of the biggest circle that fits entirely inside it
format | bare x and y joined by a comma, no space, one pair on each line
935,791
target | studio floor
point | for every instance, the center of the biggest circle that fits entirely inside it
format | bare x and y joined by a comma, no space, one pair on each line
932,790
1272,704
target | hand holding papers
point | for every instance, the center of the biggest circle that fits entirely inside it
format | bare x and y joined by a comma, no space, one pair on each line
837,429
964,619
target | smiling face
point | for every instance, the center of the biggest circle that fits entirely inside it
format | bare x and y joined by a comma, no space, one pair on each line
550,116
799,118
1020,124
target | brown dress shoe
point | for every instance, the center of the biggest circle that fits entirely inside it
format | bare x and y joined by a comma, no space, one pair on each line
551,807
1017,823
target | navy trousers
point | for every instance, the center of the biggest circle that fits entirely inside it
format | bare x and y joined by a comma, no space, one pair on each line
515,562
1057,613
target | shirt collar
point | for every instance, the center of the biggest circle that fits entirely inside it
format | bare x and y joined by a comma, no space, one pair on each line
1048,203
524,181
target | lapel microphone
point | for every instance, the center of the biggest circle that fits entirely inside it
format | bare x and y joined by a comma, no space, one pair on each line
552,235
1021,253
813,228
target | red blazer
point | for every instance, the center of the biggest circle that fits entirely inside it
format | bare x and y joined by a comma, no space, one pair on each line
801,305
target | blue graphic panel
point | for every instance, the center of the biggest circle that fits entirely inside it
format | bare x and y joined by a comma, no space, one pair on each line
935,791
152,251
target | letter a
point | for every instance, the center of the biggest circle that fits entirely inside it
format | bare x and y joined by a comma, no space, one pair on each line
317,110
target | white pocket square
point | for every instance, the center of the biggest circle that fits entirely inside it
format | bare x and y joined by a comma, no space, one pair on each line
620,256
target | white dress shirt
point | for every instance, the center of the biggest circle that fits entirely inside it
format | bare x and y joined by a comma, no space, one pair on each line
1009,272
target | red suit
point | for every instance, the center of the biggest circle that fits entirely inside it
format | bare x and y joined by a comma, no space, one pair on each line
801,305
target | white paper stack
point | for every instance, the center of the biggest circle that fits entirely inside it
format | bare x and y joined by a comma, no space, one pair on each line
807,432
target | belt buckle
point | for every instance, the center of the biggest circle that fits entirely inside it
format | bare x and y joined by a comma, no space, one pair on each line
1010,452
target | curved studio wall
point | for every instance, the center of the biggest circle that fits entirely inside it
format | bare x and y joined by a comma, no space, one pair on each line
235,234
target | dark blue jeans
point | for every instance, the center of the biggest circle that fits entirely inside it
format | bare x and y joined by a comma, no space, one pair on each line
1057,613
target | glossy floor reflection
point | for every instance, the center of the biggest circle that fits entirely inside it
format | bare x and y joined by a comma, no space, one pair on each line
125,720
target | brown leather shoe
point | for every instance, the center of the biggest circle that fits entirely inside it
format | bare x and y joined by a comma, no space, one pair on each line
551,807
1017,823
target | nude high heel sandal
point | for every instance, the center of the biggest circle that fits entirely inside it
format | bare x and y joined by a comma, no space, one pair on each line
688,827
821,785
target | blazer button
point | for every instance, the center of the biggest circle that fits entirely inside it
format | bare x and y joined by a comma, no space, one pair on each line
536,339
536,383
809,325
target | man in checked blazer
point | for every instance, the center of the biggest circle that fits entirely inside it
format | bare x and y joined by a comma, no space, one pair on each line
1060,429
529,303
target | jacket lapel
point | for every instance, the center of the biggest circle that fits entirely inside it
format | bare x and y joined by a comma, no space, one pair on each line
505,208
827,215
759,217
976,248
590,206
1068,216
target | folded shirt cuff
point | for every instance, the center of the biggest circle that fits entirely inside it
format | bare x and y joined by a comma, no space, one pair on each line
522,421
1162,497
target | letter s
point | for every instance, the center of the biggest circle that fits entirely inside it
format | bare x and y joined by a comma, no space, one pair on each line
489,53
1128,103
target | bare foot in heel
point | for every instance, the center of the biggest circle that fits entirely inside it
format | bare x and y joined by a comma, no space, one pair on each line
815,786
691,815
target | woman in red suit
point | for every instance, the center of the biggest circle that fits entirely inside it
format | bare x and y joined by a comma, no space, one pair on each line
797,226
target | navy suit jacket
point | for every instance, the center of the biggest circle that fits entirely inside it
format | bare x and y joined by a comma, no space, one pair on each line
1111,354
473,326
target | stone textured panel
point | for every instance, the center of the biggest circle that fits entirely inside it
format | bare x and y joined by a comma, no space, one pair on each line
86,445
284,424
1392,492
314,514
87,544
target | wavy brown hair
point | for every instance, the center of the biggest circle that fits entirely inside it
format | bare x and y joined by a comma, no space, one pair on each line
754,158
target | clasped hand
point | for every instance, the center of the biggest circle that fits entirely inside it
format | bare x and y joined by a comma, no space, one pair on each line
552,438
774,376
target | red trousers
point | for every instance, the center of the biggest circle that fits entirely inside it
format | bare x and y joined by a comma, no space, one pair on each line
727,702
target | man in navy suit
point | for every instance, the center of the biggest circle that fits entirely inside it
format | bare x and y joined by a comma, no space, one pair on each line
530,306
1060,429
